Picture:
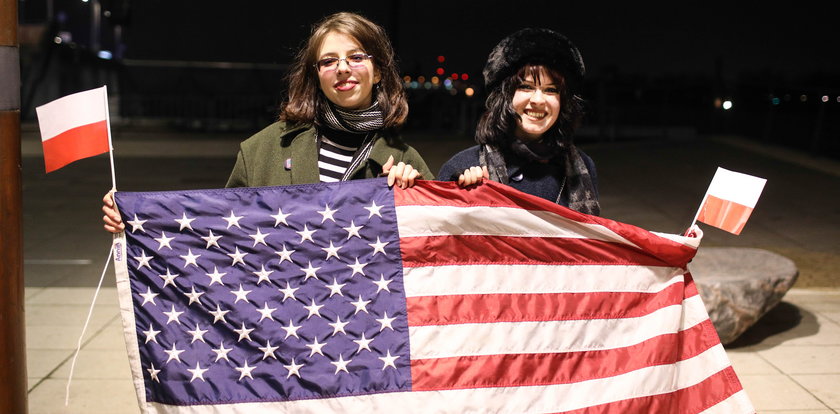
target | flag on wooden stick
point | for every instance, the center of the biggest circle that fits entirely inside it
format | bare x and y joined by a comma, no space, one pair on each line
74,127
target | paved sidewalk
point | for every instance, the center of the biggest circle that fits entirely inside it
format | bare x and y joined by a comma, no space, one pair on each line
789,362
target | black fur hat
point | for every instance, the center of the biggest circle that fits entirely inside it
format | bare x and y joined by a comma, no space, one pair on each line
539,47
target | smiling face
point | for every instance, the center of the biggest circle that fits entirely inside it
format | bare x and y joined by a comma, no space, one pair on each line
537,102
349,87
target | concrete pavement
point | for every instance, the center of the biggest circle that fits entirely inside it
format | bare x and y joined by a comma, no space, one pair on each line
788,362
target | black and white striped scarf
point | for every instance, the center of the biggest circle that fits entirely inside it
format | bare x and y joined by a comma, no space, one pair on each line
351,120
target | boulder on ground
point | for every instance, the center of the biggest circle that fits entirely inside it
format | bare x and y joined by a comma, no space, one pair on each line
739,285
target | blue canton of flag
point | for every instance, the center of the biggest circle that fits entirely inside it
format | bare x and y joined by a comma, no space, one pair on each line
271,294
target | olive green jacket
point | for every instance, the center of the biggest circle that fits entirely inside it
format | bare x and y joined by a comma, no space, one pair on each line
283,154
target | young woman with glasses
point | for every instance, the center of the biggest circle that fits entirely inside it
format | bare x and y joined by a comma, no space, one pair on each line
533,80
339,122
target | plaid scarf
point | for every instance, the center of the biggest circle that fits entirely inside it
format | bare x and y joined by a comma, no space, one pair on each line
577,183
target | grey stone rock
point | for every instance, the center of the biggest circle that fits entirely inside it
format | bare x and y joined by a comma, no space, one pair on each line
739,285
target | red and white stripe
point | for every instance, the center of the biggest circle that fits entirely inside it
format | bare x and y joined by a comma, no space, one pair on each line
74,127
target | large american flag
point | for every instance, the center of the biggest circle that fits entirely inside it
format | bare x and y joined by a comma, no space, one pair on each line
355,297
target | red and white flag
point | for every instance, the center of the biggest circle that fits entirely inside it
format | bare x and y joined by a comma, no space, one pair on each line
730,200
74,127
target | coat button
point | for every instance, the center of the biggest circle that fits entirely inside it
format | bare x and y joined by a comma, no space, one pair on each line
518,177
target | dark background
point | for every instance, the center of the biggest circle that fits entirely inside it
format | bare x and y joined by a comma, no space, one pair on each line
654,69
187,80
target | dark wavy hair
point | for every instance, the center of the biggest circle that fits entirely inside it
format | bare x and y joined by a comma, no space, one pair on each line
304,95
498,123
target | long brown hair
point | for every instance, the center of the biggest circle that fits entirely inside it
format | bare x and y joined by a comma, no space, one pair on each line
305,97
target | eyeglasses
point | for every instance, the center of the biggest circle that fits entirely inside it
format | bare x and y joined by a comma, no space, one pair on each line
330,64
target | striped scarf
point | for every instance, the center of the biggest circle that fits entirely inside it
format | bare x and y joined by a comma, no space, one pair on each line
351,120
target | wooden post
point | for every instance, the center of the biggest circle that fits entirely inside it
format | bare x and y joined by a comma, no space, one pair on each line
12,326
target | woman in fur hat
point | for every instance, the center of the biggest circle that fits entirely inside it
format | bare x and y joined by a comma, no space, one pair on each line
533,79
346,102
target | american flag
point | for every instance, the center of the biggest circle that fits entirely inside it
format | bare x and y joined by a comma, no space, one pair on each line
355,297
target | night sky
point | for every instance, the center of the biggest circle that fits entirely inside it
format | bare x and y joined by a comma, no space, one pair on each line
669,39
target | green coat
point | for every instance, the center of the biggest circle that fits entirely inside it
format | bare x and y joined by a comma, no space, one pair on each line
282,154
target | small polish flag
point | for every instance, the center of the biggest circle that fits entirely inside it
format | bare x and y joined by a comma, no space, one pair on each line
730,200
74,127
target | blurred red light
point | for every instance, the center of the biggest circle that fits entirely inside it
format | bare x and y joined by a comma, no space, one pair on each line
441,59
454,76
439,71
464,76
